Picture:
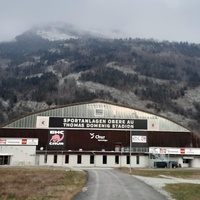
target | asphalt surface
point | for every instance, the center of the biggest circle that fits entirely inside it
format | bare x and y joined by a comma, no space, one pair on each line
110,184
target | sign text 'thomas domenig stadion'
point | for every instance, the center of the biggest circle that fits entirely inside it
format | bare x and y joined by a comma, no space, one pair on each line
97,123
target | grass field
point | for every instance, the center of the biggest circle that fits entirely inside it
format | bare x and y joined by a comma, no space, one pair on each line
39,184
180,191
152,172
53,184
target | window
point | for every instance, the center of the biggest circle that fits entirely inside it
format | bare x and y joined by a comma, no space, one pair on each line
127,160
104,159
137,160
99,112
45,158
4,160
79,159
55,158
91,159
116,159
66,159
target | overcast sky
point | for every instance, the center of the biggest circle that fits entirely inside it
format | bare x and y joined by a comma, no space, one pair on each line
173,20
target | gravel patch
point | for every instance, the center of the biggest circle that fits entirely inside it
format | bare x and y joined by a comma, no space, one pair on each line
159,183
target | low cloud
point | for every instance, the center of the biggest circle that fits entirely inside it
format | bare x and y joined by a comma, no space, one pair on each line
173,20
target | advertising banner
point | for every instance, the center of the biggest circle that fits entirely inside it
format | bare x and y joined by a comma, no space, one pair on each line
42,122
178,151
56,139
139,138
19,141
98,137
153,125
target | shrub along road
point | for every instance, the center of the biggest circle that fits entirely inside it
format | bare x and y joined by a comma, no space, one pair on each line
109,184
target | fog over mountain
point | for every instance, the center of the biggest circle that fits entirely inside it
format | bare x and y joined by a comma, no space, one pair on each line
171,20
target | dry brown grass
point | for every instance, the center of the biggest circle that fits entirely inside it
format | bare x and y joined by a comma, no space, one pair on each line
151,172
39,184
179,191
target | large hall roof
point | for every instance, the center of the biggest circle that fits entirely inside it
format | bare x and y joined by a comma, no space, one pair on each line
99,109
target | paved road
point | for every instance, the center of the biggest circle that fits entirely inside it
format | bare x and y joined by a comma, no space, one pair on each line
110,184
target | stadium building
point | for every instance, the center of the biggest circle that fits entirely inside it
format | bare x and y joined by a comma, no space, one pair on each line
97,134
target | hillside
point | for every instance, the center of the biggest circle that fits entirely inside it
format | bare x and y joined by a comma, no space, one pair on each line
38,73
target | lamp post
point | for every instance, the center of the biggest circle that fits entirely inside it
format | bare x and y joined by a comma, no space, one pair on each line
130,151
46,155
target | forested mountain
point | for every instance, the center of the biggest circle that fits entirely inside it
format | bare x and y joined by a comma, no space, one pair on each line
157,76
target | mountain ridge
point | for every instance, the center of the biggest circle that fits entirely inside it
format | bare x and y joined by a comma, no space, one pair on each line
62,31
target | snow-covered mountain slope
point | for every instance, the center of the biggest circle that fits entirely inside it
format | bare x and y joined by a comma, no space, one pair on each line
63,31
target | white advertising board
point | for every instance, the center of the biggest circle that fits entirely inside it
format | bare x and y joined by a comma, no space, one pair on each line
179,151
139,139
19,141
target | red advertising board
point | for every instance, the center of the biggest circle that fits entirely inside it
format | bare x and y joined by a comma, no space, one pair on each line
2,141
182,151
24,141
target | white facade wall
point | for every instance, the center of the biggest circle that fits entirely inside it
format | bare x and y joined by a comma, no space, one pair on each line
98,161
195,163
25,156
50,159
20,155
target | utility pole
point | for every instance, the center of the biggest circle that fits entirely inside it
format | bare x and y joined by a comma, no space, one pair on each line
130,151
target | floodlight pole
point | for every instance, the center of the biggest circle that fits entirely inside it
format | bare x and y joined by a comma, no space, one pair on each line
46,155
130,151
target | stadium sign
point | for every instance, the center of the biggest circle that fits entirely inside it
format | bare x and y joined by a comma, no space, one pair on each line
97,123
